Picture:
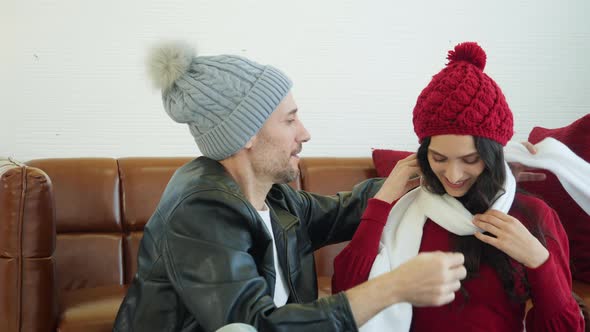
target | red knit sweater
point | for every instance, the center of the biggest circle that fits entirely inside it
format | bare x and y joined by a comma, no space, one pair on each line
488,308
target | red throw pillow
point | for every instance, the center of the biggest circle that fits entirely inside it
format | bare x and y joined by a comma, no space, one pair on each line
385,160
576,221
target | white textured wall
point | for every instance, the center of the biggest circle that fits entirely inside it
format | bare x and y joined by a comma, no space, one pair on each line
72,80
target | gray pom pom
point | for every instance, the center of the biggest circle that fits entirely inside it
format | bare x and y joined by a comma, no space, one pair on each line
168,61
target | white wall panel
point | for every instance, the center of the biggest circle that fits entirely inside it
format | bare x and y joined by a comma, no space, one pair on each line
72,78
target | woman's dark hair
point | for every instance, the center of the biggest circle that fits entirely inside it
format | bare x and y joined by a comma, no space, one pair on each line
478,199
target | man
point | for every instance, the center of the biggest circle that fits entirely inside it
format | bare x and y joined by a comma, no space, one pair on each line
230,241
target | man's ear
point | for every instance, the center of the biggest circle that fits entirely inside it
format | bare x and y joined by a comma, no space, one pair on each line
250,142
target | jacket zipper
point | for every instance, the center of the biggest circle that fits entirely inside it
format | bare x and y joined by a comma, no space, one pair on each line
289,282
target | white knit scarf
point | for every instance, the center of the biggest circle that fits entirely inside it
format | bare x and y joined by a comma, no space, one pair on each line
572,171
402,234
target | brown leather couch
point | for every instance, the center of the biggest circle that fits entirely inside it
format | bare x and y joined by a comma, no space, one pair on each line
70,229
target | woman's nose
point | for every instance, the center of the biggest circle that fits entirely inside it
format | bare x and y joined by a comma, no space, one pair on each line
454,172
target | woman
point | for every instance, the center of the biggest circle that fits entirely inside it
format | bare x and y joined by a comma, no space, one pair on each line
514,245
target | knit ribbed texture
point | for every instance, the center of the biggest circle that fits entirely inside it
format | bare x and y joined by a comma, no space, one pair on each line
225,100
462,100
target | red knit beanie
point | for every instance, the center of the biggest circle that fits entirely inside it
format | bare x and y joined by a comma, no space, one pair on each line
462,100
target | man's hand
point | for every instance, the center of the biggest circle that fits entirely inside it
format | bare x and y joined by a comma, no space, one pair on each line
521,172
429,279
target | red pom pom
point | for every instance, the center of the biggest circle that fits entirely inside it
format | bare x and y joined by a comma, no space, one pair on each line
470,52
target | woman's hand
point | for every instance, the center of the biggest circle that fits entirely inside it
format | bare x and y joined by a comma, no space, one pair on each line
510,236
404,177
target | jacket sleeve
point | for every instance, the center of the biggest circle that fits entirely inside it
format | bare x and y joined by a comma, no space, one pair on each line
554,308
209,262
353,265
334,219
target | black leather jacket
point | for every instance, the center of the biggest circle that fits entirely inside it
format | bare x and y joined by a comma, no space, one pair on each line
206,258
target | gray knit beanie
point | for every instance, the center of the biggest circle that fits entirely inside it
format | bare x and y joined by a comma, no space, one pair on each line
224,99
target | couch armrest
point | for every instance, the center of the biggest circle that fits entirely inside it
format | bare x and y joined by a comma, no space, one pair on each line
28,300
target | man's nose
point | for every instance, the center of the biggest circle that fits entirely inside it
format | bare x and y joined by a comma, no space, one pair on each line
304,135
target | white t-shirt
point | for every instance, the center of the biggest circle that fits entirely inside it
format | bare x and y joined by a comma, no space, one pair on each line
281,294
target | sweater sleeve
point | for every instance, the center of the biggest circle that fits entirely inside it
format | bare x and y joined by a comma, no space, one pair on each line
353,264
554,308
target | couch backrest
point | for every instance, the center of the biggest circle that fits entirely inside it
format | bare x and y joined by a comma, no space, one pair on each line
88,221
143,181
102,205
327,176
